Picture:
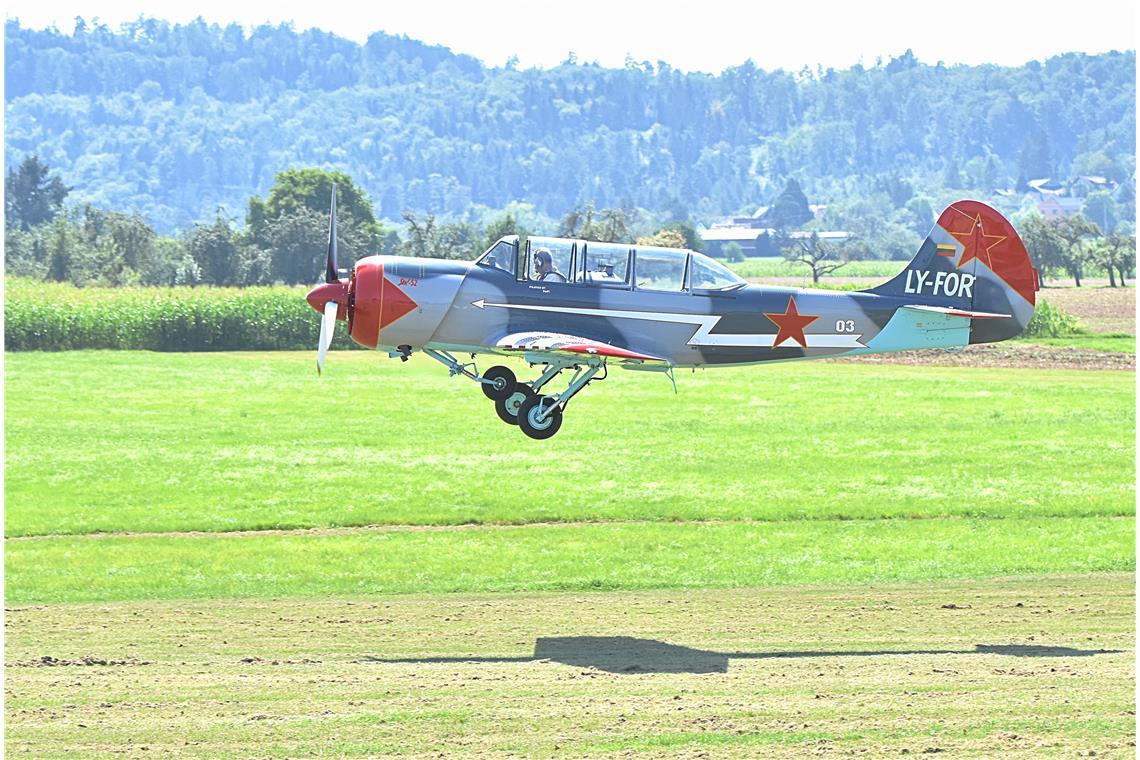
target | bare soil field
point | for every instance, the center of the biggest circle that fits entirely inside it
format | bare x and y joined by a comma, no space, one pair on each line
1008,354
1100,309
1017,667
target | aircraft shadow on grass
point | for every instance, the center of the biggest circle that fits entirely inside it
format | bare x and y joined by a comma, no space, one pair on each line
625,654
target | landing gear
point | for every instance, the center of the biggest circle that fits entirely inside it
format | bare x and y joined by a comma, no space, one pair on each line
499,383
508,408
522,404
540,416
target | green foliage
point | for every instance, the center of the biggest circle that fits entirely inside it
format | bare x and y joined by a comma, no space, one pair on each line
733,252
777,266
790,209
610,224
664,238
427,131
45,317
1051,322
432,239
31,197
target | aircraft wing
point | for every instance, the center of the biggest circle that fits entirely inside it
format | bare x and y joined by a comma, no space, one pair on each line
949,312
562,346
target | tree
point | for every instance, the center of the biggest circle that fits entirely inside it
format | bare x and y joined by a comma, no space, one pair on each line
430,239
501,227
31,197
610,224
1073,232
665,238
1116,254
214,252
310,189
790,208
818,254
1044,245
1101,209
733,251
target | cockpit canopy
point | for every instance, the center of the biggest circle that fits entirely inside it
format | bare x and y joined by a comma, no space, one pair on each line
566,261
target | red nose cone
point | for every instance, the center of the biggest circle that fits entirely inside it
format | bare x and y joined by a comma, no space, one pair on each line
330,291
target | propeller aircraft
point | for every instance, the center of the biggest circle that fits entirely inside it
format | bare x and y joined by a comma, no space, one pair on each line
581,307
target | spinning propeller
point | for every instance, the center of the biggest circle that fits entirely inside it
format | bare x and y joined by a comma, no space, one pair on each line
331,296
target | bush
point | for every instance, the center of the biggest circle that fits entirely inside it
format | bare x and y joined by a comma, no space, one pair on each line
41,316
1051,322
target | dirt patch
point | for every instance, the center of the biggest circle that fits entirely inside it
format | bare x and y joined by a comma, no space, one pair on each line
1101,310
1008,355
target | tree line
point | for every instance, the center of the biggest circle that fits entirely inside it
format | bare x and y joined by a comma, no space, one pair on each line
174,121
282,239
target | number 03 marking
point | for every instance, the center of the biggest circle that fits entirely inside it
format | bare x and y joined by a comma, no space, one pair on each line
844,325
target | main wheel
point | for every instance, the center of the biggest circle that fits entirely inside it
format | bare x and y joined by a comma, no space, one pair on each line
508,408
502,383
528,420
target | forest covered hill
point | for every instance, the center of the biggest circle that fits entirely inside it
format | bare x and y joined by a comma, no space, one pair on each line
175,121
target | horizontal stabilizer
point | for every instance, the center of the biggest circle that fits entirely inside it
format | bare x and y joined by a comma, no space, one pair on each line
952,312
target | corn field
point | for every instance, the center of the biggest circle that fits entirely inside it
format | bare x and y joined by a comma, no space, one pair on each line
41,316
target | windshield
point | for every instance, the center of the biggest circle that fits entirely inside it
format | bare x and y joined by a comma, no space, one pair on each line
502,255
712,275
607,264
660,268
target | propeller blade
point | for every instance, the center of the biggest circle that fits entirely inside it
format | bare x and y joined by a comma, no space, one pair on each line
330,267
328,325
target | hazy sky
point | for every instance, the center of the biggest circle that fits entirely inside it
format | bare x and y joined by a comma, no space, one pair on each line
703,36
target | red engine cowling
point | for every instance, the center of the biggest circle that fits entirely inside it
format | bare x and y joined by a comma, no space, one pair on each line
375,302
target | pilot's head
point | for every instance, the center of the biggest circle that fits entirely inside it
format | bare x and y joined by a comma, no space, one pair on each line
542,261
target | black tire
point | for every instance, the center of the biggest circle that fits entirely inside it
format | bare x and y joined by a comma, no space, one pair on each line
502,383
508,408
539,430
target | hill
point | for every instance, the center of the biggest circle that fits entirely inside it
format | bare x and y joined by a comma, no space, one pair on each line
173,121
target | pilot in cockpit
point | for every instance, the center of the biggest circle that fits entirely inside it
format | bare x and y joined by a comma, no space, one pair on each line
544,267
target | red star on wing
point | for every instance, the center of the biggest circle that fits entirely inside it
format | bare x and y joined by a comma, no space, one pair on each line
975,243
791,324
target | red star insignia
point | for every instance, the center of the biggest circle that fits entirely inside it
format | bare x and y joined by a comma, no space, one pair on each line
791,324
975,243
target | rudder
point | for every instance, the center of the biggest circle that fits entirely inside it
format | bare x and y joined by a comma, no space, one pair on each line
974,260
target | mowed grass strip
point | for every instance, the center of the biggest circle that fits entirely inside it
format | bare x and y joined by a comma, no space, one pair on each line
1006,667
588,556
136,441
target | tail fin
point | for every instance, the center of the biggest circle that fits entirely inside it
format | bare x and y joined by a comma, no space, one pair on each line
972,261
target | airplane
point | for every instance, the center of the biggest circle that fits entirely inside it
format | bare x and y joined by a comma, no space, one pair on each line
582,307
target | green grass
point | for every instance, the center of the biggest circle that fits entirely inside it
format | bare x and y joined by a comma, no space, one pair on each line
121,441
565,557
772,266
1120,342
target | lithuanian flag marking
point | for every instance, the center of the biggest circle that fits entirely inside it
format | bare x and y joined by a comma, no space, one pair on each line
945,250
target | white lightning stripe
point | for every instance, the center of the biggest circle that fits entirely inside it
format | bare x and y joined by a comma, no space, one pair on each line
705,322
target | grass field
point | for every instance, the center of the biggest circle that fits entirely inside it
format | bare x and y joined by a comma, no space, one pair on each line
777,266
161,442
222,554
1012,667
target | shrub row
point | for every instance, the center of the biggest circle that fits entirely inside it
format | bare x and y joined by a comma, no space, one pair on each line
45,317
